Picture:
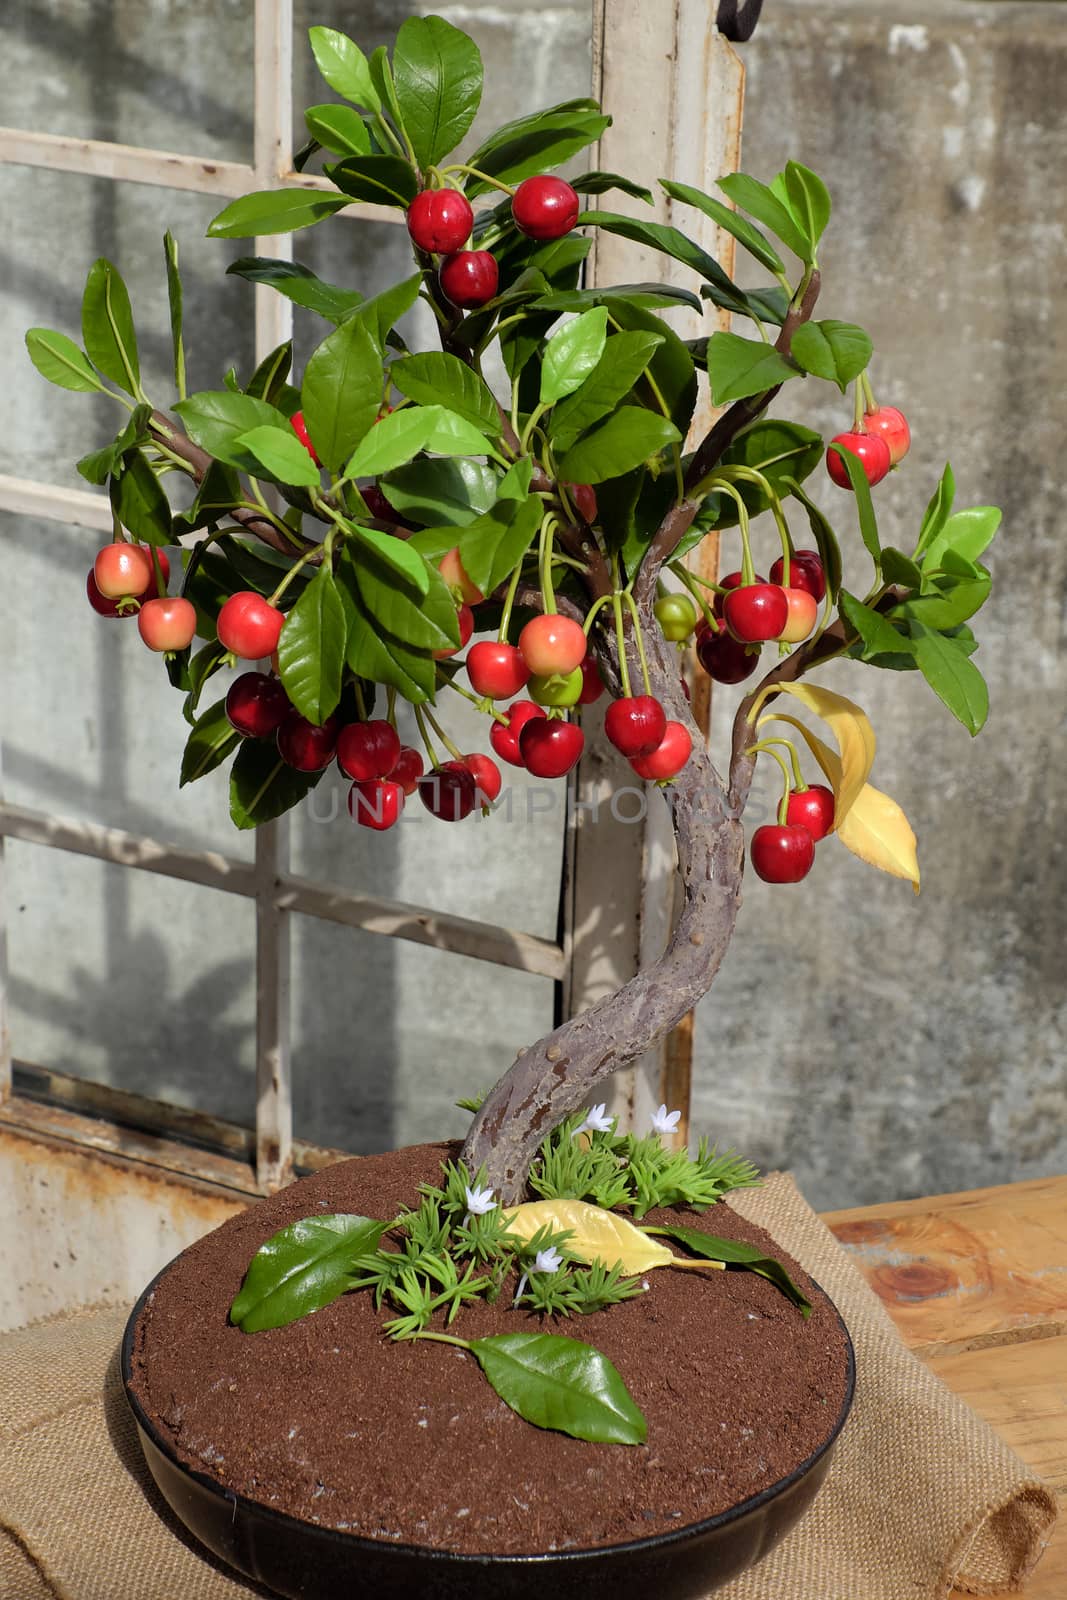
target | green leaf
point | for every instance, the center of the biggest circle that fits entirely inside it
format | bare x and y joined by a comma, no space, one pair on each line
763,204
380,314
344,67
376,655
262,786
453,435
630,436
216,419
298,284
394,440
825,540
743,231
174,300
561,1383
899,568
303,1268
674,243
219,492
671,365
338,128
952,603
652,296
273,211
438,75
967,533
492,547
382,78
281,453
202,666
601,182
107,327
740,367
937,512
836,351
438,378
311,649
452,491
98,466
383,180
736,1254
268,381
625,357
954,679
808,199
342,392
877,634
212,740
419,614
537,142
572,353
140,503
58,359
864,505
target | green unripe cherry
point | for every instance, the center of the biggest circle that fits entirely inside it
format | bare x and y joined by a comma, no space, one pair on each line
557,689
676,615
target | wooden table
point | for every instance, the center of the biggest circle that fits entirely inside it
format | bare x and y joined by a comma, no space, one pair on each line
977,1285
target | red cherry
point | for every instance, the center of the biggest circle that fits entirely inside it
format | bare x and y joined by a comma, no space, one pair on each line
504,738
756,611
100,602
872,451
803,610
545,208
300,428
782,854
377,504
486,776
409,769
805,572
256,705
582,497
440,221
368,750
123,569
449,791
304,746
465,618
249,626
496,669
452,571
732,580
723,658
592,682
813,809
552,644
469,278
635,725
892,426
376,803
167,623
669,756
550,749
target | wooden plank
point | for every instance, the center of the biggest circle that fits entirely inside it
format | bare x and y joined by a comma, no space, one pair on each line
964,1271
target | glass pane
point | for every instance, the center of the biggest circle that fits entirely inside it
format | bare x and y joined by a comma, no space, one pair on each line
133,980
165,77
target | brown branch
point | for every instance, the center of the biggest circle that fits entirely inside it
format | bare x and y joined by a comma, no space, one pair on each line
179,443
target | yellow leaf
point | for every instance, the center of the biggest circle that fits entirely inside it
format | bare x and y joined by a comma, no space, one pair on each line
596,1234
851,728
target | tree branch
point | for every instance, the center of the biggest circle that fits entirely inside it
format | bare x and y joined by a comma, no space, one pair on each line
261,528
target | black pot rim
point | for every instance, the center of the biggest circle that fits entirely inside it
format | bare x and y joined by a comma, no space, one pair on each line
358,1543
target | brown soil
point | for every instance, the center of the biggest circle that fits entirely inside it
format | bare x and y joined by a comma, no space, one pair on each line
333,1423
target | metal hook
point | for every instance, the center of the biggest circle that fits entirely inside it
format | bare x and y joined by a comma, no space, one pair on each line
737,21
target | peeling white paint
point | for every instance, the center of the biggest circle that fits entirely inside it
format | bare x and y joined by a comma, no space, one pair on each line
960,93
970,190
952,141
908,36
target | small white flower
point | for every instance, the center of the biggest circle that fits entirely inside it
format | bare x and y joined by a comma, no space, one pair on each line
479,1201
548,1260
597,1120
664,1121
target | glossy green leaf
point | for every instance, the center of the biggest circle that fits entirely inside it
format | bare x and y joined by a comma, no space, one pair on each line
537,143
651,296
216,419
282,454
218,493
625,357
298,284
966,533
107,327
438,74
202,666
938,511
672,242
212,741
262,786
383,180
98,466
836,351
953,602
877,634
273,211
58,359
301,1269
900,569
740,367
394,440
380,314
453,435
338,128
630,436
441,490
560,1383
140,503
737,1254
376,655
342,392
601,182
423,618
808,199
311,649
864,504
671,365
763,204
382,78
344,67
268,382
492,547
955,680
407,562
174,301
572,353
438,378
743,231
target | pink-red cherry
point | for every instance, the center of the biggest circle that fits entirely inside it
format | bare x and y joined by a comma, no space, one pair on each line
465,619
256,705
368,750
486,775
440,221
249,626
756,611
449,791
582,497
873,453
803,611
100,602
635,725
551,749
167,623
723,658
552,643
805,572
376,803
409,769
496,669
504,737
303,745
469,278
453,572
300,428
892,426
122,570
732,580
592,682
669,756
812,808
782,853
545,208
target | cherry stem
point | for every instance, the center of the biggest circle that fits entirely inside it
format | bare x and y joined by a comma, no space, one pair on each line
748,571
454,752
765,747
799,785
750,475
161,587
632,603
624,667
868,392
316,550
544,565
420,721
604,600
361,703
509,602
390,706
857,405
475,172
484,703
531,423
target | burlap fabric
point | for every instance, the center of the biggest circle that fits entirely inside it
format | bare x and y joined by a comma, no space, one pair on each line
922,1495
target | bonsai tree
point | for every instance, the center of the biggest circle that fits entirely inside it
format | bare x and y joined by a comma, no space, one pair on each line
355,524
